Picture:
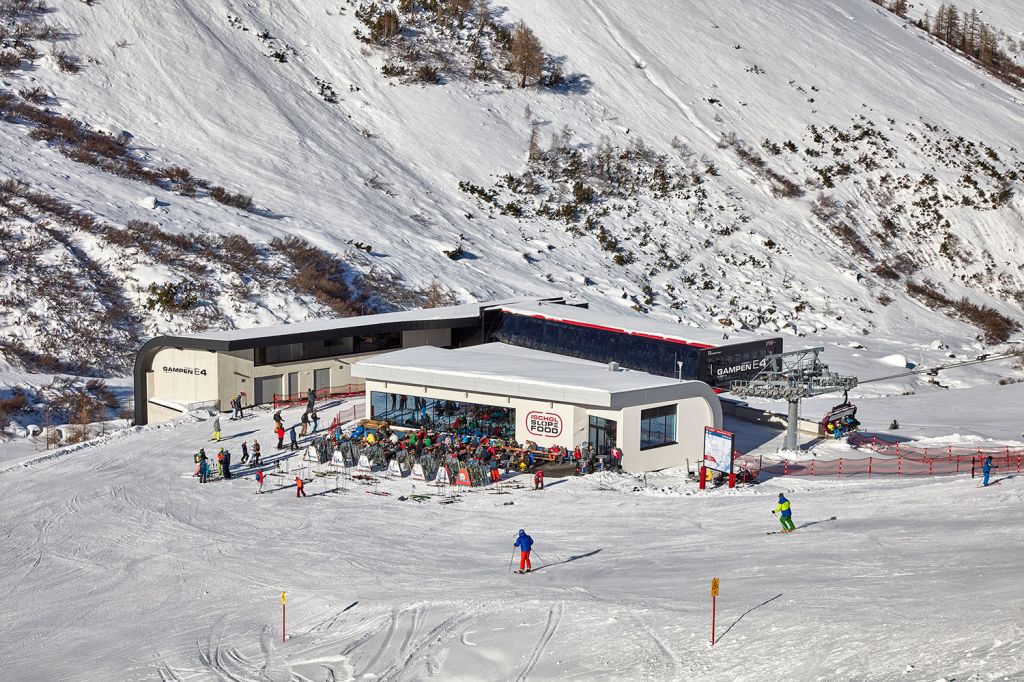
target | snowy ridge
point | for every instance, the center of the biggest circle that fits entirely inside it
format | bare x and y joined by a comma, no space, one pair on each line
798,201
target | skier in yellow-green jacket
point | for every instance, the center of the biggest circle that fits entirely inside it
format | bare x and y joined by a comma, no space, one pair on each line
786,517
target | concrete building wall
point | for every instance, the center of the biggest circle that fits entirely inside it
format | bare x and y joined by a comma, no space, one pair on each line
184,376
549,424
692,415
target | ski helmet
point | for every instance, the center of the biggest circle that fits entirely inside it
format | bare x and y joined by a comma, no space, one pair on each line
522,532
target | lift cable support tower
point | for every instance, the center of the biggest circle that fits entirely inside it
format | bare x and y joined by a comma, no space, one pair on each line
792,376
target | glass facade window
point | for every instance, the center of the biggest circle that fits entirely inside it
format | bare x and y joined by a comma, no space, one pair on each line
602,434
715,366
654,356
449,416
657,427
326,348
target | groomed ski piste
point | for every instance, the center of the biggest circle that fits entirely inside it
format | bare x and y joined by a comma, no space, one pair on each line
116,563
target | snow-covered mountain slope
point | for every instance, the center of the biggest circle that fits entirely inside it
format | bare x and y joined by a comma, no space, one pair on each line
780,166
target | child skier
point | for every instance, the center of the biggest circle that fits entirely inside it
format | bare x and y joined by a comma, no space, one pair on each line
525,543
216,428
986,470
299,492
280,435
245,452
295,442
538,480
259,481
787,514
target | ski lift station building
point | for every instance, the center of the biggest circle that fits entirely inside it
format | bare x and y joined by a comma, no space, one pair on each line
563,373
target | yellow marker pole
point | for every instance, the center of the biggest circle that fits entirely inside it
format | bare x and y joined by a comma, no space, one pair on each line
282,617
714,598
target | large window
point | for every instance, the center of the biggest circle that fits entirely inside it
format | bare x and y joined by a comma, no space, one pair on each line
450,416
657,427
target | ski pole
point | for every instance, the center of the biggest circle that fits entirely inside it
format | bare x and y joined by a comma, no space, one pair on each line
511,559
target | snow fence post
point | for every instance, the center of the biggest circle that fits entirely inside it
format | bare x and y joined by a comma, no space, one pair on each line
812,468
899,467
929,467
283,637
703,477
869,467
785,468
840,468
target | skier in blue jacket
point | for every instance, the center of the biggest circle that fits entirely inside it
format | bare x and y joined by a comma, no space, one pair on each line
986,470
524,542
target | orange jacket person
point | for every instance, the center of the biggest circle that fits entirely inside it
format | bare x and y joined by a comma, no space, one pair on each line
299,492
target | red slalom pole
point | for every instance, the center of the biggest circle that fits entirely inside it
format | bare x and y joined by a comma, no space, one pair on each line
714,607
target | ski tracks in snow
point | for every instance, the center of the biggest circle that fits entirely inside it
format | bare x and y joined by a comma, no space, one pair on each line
677,663
554,618
620,41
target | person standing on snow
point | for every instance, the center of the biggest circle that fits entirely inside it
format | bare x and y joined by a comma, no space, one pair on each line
986,470
786,517
245,453
280,436
538,480
255,452
216,428
305,423
239,400
310,399
295,442
315,419
525,543
204,467
299,492
259,481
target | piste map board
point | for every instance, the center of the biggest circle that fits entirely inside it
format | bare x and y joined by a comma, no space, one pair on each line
718,448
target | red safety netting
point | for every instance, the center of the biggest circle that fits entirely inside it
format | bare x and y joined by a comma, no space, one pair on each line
884,465
910,450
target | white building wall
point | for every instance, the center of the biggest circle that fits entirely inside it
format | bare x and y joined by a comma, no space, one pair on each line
545,423
534,417
184,376
692,415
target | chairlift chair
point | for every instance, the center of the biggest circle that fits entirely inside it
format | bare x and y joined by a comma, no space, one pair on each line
839,413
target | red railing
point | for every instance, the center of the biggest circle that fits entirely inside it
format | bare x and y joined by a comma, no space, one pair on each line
329,393
1006,461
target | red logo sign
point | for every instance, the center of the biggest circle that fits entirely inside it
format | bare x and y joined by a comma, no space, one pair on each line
545,424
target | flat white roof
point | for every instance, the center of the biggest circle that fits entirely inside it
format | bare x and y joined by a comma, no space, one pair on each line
628,322
503,370
340,324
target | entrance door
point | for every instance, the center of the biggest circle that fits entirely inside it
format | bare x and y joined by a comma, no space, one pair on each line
602,434
264,389
293,384
321,379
